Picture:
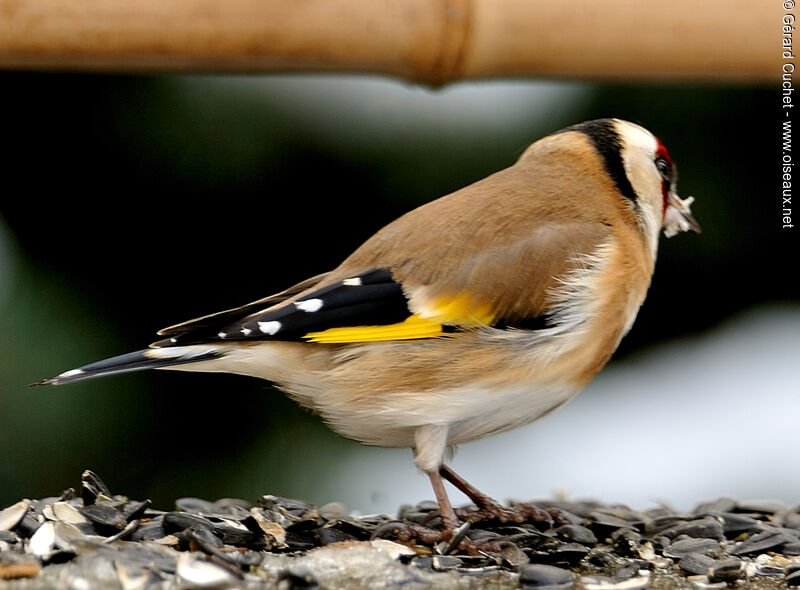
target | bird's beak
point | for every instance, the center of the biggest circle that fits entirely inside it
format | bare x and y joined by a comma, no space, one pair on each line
678,216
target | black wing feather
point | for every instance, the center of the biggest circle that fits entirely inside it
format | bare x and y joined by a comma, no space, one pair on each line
368,299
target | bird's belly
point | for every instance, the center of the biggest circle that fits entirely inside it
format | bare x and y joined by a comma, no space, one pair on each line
471,413
501,411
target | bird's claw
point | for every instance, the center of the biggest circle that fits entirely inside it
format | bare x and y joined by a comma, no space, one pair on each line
407,531
516,513
444,541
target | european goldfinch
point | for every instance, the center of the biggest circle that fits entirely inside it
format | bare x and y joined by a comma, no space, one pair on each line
476,313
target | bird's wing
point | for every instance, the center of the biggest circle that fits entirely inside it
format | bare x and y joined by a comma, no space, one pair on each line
490,254
206,327
504,285
365,299
509,281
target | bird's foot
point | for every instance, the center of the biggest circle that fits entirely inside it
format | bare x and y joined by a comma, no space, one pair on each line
407,532
487,508
442,542
516,513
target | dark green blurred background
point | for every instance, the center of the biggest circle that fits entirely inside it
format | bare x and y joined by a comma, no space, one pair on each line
131,203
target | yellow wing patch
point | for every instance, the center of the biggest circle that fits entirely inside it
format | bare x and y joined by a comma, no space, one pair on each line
411,328
455,311
461,310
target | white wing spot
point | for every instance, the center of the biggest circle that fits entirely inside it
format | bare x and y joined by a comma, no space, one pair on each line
309,305
71,373
173,340
354,282
269,328
178,352
246,331
222,335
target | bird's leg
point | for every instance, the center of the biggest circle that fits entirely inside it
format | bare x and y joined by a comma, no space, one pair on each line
488,508
452,535
479,498
453,532
407,531
429,450
430,444
446,512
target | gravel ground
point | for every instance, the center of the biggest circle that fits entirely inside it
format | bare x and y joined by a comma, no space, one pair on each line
94,539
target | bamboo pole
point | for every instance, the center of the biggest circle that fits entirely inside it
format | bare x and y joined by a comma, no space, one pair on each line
429,41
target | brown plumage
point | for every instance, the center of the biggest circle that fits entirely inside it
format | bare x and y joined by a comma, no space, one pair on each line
471,315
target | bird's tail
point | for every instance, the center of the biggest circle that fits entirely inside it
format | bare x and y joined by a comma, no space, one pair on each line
149,358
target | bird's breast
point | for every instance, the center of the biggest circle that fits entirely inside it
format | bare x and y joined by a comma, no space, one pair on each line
594,307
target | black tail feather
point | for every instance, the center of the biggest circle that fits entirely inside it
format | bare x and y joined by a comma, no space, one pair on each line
149,358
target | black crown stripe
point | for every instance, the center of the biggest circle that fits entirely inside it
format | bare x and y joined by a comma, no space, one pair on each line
606,140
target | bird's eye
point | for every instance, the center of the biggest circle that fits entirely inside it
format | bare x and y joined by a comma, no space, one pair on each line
665,168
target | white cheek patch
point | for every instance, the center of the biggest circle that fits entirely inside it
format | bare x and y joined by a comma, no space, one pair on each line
639,149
